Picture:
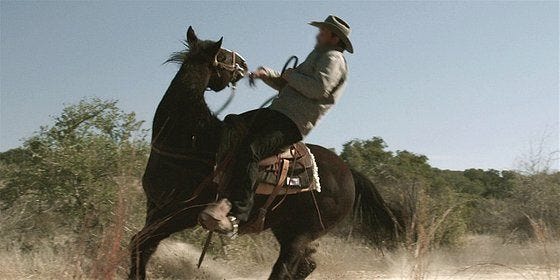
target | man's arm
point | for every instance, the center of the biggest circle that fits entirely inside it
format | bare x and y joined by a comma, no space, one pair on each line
270,77
330,69
273,79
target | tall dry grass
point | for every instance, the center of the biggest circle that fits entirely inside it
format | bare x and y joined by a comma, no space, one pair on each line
545,240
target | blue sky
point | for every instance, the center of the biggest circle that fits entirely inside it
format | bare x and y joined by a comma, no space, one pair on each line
469,84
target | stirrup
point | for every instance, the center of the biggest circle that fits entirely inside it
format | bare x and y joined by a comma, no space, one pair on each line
235,227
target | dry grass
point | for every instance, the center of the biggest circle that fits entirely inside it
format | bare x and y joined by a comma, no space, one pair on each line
47,263
252,256
482,257
545,241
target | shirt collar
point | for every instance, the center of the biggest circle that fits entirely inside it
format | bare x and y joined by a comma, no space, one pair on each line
328,48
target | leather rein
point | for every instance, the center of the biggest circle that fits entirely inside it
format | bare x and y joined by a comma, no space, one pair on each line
237,73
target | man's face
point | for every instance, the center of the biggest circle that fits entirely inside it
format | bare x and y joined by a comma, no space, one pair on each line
326,38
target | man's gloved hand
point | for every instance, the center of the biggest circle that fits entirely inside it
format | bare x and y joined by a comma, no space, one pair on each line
269,76
260,73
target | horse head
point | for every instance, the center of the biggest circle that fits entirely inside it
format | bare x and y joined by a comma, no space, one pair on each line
230,67
208,61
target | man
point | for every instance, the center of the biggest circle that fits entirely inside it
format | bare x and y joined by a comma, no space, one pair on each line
306,93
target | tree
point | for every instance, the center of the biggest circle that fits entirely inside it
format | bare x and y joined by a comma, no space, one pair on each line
70,171
415,191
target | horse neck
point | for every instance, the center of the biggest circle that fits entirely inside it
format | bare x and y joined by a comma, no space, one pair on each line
181,114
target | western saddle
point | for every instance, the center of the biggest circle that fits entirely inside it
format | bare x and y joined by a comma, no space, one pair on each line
288,172
291,171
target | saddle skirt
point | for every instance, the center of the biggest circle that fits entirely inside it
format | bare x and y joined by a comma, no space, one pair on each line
293,170
301,174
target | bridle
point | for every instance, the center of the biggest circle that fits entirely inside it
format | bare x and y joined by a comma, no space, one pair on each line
236,70
237,73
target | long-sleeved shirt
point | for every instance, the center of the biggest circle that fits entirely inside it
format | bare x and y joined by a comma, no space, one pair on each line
307,93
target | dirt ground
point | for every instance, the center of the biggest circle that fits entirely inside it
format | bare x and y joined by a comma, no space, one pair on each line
481,257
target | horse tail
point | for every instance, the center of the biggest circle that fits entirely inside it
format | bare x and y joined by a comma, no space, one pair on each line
370,210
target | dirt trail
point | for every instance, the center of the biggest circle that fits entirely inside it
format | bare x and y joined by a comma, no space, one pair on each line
177,260
174,259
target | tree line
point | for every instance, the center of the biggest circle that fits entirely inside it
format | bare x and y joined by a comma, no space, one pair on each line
83,171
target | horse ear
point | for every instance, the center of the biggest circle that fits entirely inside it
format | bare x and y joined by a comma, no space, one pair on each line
215,48
191,36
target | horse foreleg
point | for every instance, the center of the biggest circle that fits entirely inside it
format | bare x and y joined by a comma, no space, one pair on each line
306,264
159,226
142,246
292,251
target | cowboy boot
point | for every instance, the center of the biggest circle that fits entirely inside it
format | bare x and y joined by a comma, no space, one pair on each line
215,218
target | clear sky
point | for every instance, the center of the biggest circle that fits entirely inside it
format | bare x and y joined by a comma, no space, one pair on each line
468,84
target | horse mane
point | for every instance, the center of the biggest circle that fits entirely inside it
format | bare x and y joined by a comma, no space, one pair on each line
181,56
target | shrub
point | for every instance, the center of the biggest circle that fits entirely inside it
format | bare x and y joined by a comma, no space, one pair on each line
67,176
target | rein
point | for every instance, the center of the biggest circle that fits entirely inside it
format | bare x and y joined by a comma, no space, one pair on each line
236,71
228,101
269,100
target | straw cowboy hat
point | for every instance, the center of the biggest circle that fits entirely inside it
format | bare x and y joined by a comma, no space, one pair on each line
338,27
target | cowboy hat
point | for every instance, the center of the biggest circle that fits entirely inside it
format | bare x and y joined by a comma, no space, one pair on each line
338,27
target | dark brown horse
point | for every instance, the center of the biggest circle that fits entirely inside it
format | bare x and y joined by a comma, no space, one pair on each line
185,138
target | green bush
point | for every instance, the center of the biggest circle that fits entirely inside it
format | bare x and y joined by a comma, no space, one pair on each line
67,176
419,197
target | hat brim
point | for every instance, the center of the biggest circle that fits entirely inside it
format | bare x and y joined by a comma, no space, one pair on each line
336,31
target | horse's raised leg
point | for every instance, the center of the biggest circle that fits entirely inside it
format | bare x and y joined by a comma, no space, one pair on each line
306,264
159,225
142,246
293,248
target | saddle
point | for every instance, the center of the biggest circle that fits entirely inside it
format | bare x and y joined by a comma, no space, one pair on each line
301,174
292,171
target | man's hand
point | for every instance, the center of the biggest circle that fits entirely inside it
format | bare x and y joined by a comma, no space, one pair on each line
269,77
260,73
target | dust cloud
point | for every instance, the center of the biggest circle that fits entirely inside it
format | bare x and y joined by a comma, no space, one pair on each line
481,257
